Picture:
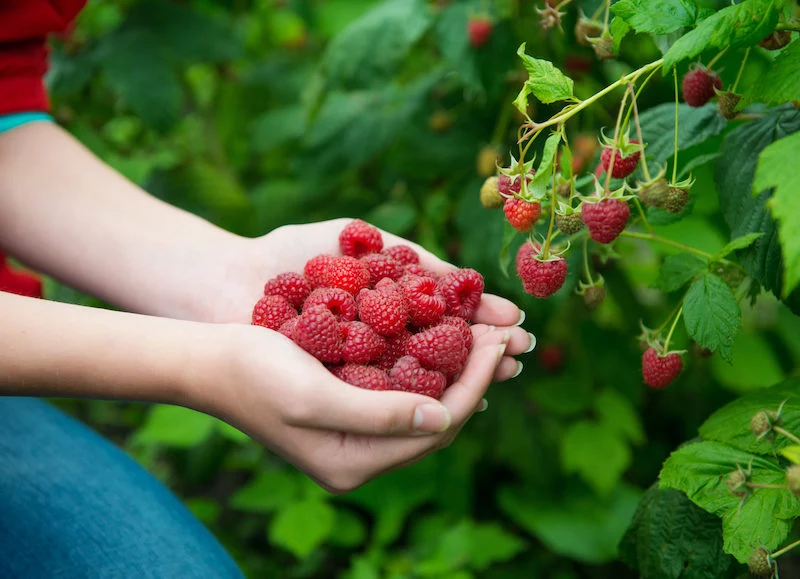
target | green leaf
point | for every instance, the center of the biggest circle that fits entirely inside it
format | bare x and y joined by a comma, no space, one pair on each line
454,43
490,543
672,538
175,426
231,433
616,412
755,365
537,189
398,217
277,127
657,16
678,270
743,24
302,527
582,527
731,423
267,492
478,546
742,242
546,82
509,235
712,315
597,453
764,518
695,125
351,531
619,30
777,169
735,173
792,453
780,82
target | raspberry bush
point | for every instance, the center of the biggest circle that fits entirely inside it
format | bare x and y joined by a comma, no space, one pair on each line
624,170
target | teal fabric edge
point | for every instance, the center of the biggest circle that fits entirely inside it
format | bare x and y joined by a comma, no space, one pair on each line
8,122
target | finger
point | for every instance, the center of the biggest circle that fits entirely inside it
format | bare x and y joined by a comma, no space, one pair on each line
507,369
497,311
520,342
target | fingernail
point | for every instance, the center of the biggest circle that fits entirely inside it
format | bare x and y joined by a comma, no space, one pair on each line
431,418
491,329
501,349
483,405
519,369
533,343
507,337
521,318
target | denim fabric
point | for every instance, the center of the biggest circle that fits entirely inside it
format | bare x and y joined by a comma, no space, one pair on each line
74,506
8,122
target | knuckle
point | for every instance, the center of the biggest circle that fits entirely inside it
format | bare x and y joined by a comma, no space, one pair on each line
299,412
343,482
386,420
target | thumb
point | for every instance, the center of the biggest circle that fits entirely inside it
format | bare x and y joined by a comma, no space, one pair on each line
337,405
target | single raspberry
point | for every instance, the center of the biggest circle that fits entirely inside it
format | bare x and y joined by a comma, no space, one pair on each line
676,200
409,376
272,312
20,283
542,278
387,284
776,40
524,252
360,238
288,327
698,86
383,309
490,196
761,422
653,193
316,270
402,254
623,166
479,29
317,332
793,479
396,348
361,344
462,290
417,269
338,301
760,564
486,161
605,218
508,186
293,286
660,371
463,327
727,102
522,214
736,481
569,224
603,48
367,377
439,348
585,29
424,300
594,295
381,266
552,358
348,274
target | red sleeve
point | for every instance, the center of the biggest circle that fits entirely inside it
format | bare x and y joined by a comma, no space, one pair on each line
24,28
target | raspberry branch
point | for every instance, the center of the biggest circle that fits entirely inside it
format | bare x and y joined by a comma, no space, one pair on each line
675,158
785,550
786,433
672,329
741,68
616,148
546,248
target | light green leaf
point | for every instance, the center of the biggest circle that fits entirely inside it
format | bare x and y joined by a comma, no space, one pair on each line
537,189
302,527
619,30
351,531
780,82
597,453
175,426
764,518
656,16
742,242
490,543
267,492
231,433
777,167
792,453
712,315
546,82
616,412
755,365
743,24
678,270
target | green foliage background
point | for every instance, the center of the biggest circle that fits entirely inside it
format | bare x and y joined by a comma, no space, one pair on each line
254,114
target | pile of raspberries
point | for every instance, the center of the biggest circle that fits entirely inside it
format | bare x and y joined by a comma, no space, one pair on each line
374,316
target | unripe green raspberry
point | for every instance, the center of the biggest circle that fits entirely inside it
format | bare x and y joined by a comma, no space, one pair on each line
793,479
737,483
569,224
727,102
603,48
490,197
761,423
760,564
676,200
593,296
653,194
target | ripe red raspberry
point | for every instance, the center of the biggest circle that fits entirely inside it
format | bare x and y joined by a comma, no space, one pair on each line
623,166
698,86
424,300
348,274
360,238
439,348
542,278
316,270
605,219
659,371
361,344
396,348
402,254
338,301
462,290
508,187
272,312
409,376
463,327
317,332
367,377
521,214
293,286
479,30
525,251
552,358
20,283
380,266
387,284
288,327
417,269
383,309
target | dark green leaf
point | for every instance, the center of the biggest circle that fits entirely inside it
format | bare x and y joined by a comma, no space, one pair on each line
656,16
277,127
780,82
454,43
617,413
509,234
678,270
695,125
742,242
712,316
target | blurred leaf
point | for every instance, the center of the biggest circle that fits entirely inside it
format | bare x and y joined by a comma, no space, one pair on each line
712,315
742,242
333,16
451,35
477,546
695,125
616,412
267,492
562,395
509,235
175,426
68,75
678,270
792,453
754,365
350,529
231,433
277,127
207,510
597,453
396,217
302,527
780,82
657,16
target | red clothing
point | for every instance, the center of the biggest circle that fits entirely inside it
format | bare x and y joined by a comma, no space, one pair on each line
24,27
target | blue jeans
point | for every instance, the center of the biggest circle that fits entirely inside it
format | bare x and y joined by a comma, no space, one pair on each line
74,506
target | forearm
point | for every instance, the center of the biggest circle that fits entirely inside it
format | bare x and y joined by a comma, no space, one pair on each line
62,350
65,213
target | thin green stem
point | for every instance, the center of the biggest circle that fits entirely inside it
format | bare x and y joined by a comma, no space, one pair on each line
675,159
672,329
586,260
741,68
669,317
786,433
641,140
546,249
615,150
502,122
643,214
716,58
597,12
766,486
638,92
605,18
657,239
786,549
